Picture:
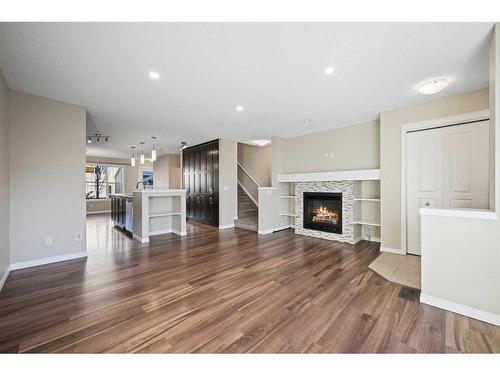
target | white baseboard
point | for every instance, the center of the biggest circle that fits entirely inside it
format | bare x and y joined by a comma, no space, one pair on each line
226,226
98,212
40,262
140,239
269,231
365,238
391,250
179,233
4,278
471,312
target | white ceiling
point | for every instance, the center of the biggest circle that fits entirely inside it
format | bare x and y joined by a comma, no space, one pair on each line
274,70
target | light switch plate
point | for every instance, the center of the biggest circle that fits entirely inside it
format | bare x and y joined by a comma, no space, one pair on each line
78,236
49,241
226,188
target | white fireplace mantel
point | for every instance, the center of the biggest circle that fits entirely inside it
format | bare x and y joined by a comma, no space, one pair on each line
354,175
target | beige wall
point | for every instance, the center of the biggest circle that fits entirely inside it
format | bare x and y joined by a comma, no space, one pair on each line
257,161
228,188
353,147
390,153
4,178
47,179
167,171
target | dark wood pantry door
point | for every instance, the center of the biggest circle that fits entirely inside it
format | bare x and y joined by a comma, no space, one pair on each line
200,166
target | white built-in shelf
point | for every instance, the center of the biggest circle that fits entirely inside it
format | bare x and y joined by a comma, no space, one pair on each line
369,222
288,214
354,175
160,214
288,196
367,199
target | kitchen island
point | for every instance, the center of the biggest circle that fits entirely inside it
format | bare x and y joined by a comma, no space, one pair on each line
158,212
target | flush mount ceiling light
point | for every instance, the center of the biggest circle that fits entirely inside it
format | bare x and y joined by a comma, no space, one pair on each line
432,86
329,70
154,75
239,108
308,120
262,142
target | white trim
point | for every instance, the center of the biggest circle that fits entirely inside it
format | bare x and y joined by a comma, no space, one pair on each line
364,237
354,175
423,125
39,262
267,188
459,213
248,174
98,212
226,226
458,308
4,277
98,200
385,249
140,239
269,231
165,231
248,194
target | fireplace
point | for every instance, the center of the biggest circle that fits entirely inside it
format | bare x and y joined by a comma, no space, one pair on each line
323,212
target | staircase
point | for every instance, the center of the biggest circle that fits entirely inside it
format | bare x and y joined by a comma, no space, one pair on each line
247,212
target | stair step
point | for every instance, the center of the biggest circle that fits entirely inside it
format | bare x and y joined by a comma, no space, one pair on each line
248,223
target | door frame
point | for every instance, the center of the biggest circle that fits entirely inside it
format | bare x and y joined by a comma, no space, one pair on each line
425,125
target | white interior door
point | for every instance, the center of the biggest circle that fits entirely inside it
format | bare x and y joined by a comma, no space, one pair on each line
448,168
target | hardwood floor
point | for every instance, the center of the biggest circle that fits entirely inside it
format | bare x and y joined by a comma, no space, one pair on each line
224,291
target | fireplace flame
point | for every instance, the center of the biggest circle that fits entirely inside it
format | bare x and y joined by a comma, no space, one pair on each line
323,214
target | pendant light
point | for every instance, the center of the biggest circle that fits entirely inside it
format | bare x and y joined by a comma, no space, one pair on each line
153,151
142,153
132,159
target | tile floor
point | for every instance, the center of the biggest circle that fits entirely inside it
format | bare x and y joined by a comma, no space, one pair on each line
401,269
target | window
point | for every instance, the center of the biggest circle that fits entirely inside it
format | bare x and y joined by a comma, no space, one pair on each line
103,180
147,177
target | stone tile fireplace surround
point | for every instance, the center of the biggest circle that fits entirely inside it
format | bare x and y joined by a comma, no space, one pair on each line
347,190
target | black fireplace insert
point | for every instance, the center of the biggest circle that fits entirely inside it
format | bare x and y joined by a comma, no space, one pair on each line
323,211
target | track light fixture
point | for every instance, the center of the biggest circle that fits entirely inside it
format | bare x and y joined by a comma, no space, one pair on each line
98,137
183,145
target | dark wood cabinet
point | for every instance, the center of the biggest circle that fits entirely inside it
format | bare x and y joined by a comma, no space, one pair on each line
200,167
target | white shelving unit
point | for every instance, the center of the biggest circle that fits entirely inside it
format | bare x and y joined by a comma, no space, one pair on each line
366,219
158,212
287,203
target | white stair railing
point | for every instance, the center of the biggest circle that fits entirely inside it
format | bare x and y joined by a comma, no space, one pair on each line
249,184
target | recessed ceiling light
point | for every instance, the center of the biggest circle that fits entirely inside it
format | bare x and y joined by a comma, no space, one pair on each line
239,108
432,86
308,120
329,70
154,75
262,142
